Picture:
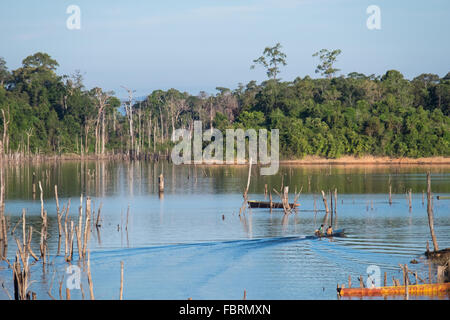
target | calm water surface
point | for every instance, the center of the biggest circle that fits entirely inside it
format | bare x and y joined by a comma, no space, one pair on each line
193,243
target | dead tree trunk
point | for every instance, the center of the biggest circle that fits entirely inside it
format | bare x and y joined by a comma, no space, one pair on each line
5,131
161,125
161,183
324,198
335,208
102,102
149,128
248,179
103,134
29,133
286,205
211,116
154,137
129,112
390,191
430,213
86,136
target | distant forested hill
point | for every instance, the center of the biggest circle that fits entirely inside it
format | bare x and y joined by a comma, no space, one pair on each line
333,116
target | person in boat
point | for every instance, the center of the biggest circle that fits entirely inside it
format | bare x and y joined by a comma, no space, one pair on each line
319,231
329,231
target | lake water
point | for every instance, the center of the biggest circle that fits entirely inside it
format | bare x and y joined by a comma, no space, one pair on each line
192,242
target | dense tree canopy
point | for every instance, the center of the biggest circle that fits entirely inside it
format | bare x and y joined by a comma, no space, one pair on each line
43,112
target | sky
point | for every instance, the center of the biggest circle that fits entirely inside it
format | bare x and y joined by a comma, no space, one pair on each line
203,44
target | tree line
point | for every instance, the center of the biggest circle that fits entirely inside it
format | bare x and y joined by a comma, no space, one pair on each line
330,116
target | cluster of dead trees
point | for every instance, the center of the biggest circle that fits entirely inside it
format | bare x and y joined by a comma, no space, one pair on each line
148,126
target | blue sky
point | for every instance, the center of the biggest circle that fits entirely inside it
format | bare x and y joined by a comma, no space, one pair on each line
199,45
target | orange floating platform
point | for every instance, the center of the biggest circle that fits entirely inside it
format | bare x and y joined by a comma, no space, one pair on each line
418,289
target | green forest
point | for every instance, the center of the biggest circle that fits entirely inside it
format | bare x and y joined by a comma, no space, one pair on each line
331,116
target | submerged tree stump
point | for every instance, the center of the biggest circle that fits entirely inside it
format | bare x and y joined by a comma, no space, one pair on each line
430,212
161,183
439,257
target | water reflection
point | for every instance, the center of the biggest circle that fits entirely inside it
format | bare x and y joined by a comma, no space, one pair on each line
194,239
101,179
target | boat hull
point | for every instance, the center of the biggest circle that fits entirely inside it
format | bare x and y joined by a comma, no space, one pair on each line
266,204
336,233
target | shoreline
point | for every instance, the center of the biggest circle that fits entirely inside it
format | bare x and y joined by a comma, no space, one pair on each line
308,160
368,160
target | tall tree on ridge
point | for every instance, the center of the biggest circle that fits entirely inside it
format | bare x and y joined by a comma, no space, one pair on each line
275,58
327,59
